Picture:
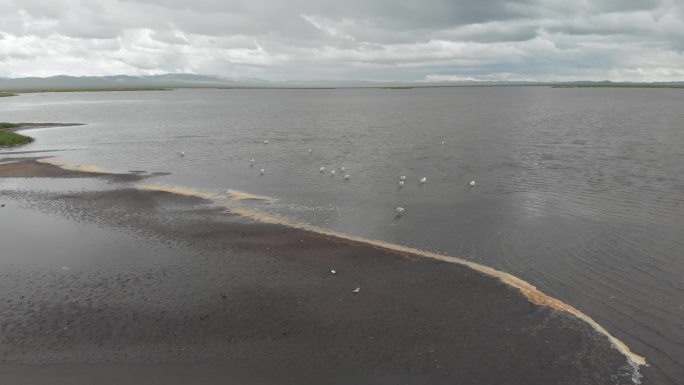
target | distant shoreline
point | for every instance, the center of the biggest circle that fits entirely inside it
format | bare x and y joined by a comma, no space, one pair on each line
618,86
18,92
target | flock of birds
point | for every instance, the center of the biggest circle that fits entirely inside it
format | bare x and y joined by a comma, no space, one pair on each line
402,179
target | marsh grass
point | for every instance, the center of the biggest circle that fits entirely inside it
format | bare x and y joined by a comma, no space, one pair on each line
8,139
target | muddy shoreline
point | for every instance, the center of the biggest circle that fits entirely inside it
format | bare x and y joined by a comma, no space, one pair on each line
27,126
257,302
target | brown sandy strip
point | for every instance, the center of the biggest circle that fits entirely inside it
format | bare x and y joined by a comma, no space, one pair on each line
50,168
244,196
78,168
533,294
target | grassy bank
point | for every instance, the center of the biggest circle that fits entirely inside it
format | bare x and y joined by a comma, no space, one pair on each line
8,139
4,94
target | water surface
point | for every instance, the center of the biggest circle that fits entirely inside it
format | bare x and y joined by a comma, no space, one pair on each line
579,191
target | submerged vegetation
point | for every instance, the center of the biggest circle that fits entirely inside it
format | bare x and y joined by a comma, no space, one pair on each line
8,138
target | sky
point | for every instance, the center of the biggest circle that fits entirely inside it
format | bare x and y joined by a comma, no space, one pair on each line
381,40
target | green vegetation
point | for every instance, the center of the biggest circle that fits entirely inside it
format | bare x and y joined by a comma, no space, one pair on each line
13,139
5,94
8,139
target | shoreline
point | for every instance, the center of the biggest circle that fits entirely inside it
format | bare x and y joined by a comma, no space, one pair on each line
42,168
28,126
529,291
10,138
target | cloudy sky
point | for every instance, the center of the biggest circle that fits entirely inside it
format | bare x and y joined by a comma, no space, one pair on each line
409,40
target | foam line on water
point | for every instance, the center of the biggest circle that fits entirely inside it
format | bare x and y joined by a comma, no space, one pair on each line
533,294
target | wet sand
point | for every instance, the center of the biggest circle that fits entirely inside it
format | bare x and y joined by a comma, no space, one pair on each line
48,168
220,298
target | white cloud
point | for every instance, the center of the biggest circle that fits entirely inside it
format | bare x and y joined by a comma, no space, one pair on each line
360,39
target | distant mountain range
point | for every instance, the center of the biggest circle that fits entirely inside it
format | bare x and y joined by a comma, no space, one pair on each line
182,80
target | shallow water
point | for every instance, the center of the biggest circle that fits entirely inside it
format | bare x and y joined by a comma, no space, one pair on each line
579,191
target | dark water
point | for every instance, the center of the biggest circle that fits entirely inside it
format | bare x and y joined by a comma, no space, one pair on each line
579,191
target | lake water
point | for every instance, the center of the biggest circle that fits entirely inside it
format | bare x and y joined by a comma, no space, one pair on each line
579,191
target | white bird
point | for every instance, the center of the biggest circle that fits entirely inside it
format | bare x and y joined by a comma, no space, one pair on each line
333,272
251,162
310,151
332,173
322,169
443,142
472,183
342,168
262,171
403,177
181,153
265,141
423,180
399,210
346,176
401,183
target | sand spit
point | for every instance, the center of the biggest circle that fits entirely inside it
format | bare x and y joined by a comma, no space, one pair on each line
244,196
78,168
28,126
52,168
223,289
529,291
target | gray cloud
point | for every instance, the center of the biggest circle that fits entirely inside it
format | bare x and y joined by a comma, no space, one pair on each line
354,39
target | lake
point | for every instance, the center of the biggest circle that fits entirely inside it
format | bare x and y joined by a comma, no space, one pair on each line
578,191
